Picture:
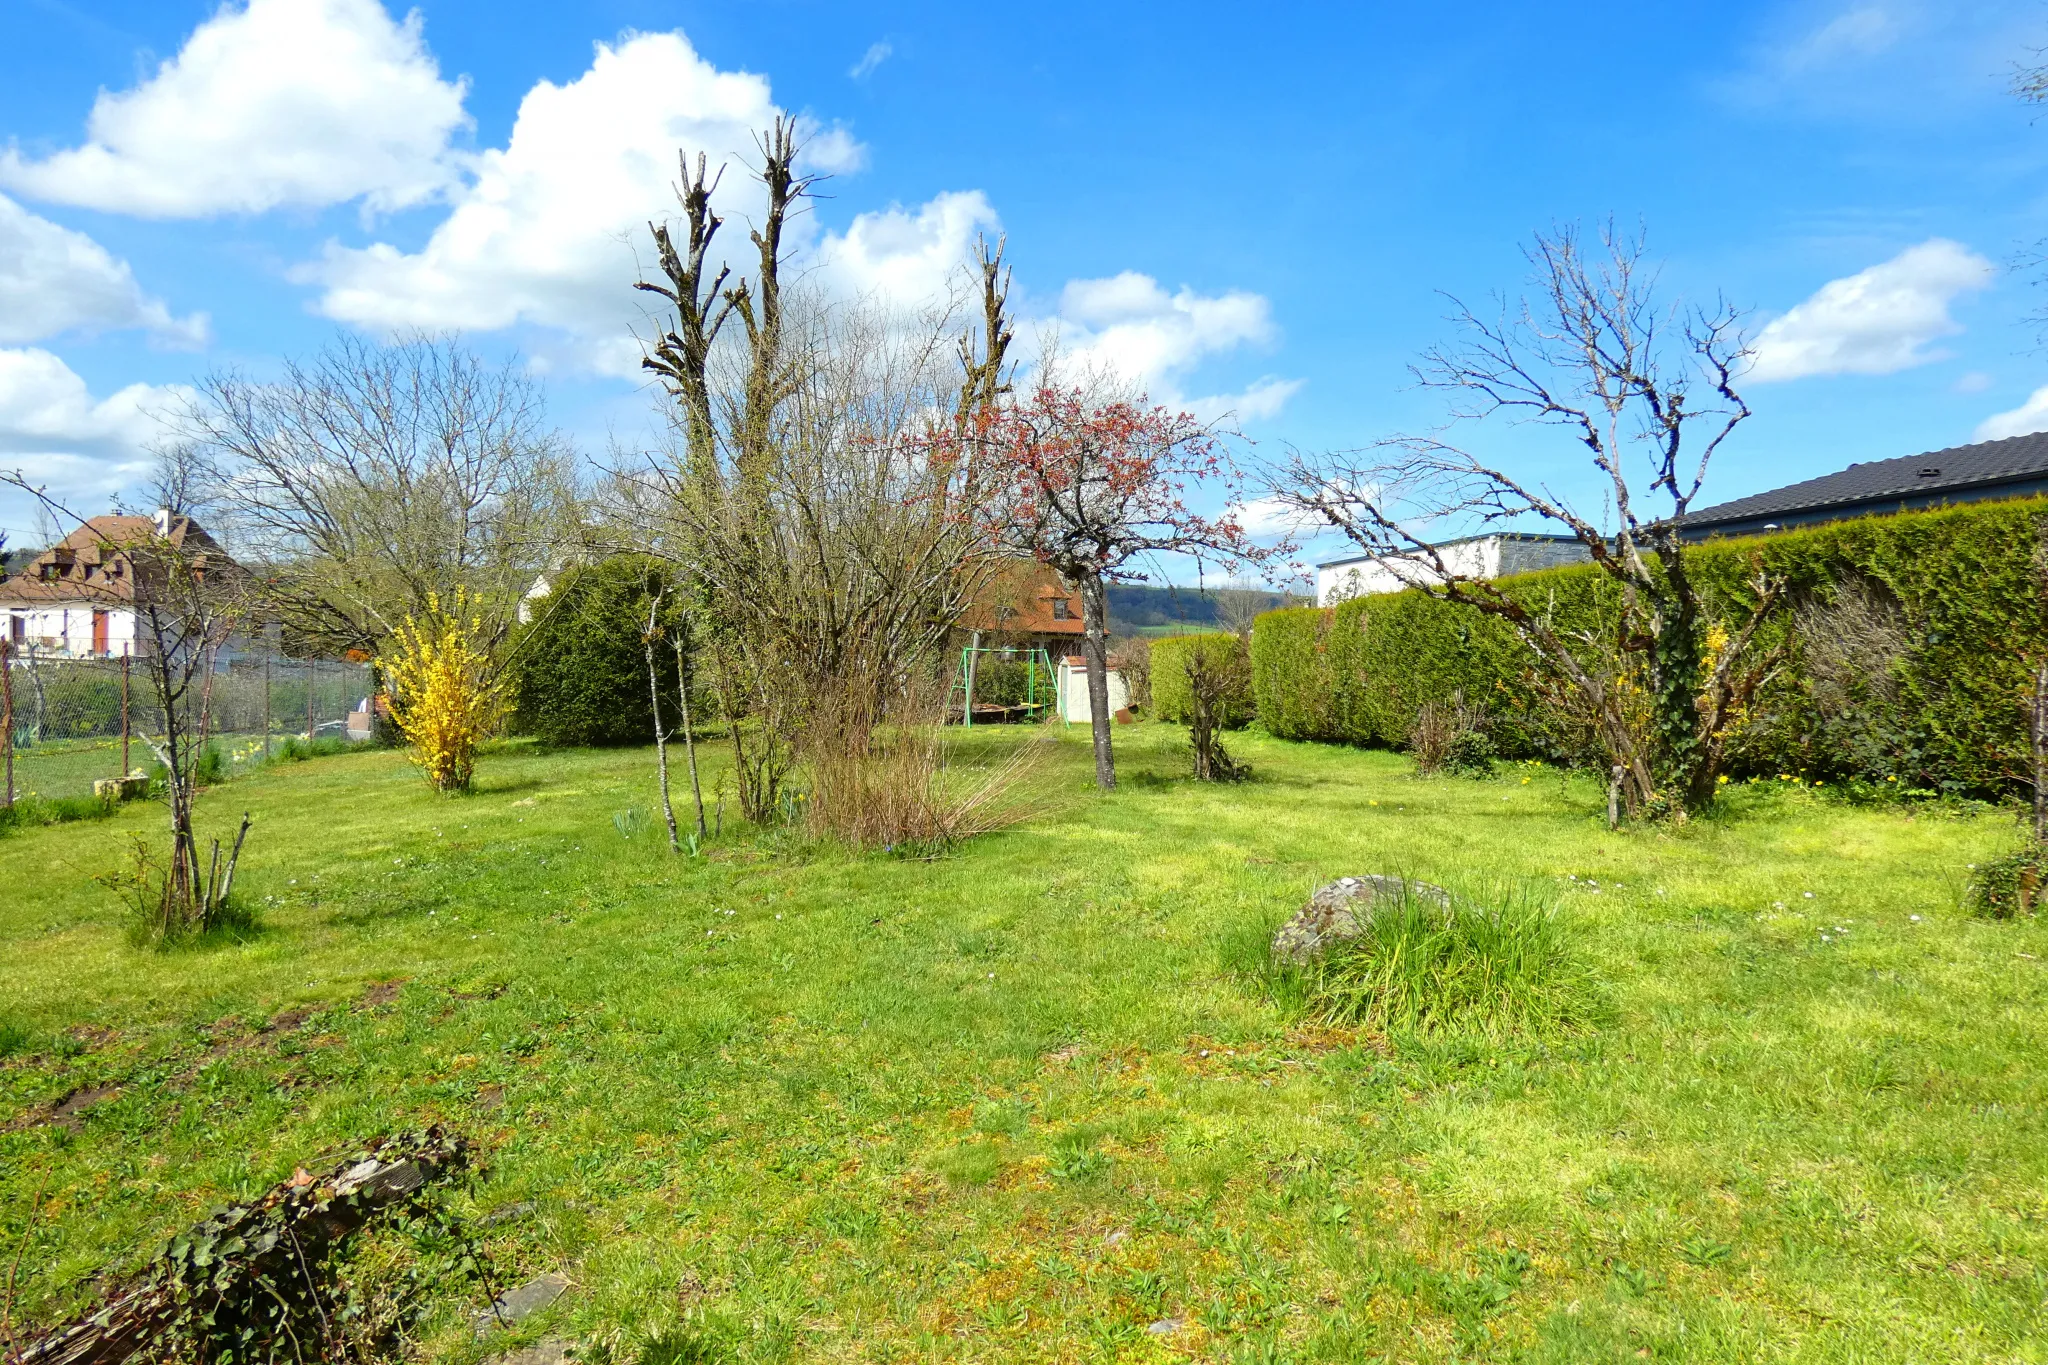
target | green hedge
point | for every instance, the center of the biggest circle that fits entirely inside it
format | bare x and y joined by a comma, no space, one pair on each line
1945,713
579,672
1171,697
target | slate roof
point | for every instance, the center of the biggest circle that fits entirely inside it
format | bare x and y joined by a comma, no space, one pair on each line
2008,468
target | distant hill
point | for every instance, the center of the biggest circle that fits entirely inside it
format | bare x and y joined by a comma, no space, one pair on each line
1142,609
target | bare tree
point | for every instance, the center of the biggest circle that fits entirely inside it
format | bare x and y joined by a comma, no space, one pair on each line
373,479
188,599
1238,604
810,490
1648,394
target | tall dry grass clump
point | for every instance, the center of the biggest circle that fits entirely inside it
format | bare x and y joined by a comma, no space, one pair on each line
446,692
882,775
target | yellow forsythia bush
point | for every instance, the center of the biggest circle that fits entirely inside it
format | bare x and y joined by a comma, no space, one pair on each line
446,693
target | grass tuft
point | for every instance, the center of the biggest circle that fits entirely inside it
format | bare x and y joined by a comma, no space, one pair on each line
1500,966
30,811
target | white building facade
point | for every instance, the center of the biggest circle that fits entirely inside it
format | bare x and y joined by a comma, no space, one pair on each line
75,631
1500,555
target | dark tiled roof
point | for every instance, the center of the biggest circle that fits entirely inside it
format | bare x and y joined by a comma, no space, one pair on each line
1959,468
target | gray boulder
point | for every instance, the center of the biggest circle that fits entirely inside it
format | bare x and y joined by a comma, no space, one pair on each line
1341,911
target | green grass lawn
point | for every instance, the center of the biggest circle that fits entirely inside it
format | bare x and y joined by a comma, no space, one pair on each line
1032,1099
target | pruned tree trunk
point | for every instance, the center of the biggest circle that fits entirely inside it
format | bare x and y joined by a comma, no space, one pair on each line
1095,653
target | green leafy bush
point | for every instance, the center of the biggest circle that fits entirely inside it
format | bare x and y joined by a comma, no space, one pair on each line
1469,754
1298,689
1908,642
579,669
1172,696
2012,885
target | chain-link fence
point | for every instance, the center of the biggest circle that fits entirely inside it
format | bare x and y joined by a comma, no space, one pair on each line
77,720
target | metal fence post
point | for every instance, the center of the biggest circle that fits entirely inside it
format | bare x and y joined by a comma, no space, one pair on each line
124,715
7,710
266,706
309,700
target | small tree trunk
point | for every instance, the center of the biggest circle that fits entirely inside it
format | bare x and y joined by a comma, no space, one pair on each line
1095,652
739,745
207,902
668,810
689,738
227,878
206,696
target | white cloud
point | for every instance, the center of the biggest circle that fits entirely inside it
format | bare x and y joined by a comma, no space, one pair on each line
54,280
2029,417
1860,32
908,257
1852,58
281,102
876,54
1129,325
57,433
1262,399
1263,517
553,228
1878,321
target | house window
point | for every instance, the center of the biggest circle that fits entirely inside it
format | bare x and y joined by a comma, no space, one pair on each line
1060,610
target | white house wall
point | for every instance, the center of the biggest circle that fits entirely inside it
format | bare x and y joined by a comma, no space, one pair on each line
68,630
1369,577
1071,687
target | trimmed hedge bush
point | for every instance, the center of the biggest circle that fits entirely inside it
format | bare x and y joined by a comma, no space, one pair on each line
1941,710
579,672
1171,699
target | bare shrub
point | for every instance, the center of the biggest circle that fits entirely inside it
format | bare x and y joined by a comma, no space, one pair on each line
882,775
1133,658
1216,678
1450,737
1851,645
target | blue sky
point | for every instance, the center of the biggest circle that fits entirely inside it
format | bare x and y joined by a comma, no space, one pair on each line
1250,212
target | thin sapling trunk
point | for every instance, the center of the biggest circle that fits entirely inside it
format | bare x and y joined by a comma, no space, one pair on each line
689,737
668,811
